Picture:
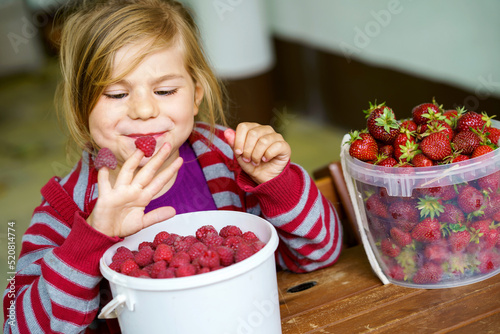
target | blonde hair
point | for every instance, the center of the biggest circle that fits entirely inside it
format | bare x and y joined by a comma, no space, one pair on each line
93,31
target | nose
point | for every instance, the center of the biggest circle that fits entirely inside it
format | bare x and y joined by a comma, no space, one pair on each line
143,106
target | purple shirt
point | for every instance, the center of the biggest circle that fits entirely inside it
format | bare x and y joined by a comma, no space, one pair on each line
190,191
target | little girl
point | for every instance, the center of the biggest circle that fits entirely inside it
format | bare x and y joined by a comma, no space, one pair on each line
135,68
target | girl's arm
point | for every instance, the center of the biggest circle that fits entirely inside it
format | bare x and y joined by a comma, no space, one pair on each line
308,226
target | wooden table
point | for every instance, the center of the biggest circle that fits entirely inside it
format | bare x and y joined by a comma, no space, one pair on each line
349,298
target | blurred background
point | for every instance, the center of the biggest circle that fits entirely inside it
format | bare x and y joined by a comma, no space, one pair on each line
308,68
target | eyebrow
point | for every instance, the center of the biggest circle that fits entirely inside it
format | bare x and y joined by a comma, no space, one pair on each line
167,77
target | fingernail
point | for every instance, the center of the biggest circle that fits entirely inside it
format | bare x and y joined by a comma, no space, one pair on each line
264,159
255,164
238,151
246,160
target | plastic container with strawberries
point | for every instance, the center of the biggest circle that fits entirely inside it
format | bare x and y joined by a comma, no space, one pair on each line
428,227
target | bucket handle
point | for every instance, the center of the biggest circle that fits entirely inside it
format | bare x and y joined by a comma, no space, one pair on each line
114,307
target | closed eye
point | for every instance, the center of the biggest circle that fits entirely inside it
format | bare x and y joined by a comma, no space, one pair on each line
166,92
116,96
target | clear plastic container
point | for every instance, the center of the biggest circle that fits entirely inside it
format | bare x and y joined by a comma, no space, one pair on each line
390,202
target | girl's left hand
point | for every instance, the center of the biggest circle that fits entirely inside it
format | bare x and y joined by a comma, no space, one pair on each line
261,152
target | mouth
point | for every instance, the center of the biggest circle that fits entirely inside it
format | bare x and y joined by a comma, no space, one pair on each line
155,135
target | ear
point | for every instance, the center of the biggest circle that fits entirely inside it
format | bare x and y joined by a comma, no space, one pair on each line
198,97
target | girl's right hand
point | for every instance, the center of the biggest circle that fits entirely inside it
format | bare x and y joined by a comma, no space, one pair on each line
119,210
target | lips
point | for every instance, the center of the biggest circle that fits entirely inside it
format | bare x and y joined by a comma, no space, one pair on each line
152,134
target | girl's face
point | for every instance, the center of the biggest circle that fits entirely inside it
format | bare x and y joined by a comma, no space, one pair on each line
158,98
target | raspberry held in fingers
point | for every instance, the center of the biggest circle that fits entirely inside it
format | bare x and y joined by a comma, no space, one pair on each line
146,144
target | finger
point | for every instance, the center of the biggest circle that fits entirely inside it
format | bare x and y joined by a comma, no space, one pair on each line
278,150
127,172
230,136
241,137
103,180
262,145
158,215
254,135
146,174
160,180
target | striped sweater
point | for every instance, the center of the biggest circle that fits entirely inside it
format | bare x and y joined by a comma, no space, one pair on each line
58,285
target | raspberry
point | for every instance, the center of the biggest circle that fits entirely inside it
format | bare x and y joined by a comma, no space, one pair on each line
157,267
230,230
179,259
122,253
139,273
196,250
163,252
204,230
172,238
146,144
243,251
212,239
115,265
184,243
105,158
160,238
203,270
185,270
144,256
146,243
167,273
128,266
233,242
249,236
209,259
226,255
257,245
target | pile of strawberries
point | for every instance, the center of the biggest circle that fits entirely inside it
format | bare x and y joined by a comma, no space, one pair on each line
170,255
432,136
440,234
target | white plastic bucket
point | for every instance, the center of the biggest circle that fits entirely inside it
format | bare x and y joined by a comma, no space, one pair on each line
241,298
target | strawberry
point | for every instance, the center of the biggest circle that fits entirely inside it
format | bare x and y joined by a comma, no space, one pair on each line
472,120
489,261
493,135
400,237
436,146
437,253
389,248
409,125
428,230
428,273
146,144
466,142
481,150
470,199
386,150
421,160
490,183
420,113
459,237
451,214
491,238
382,125
404,214
105,158
375,206
405,147
363,146
386,162
430,206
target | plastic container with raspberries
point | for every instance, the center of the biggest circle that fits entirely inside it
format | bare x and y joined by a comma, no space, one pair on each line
434,225
200,272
